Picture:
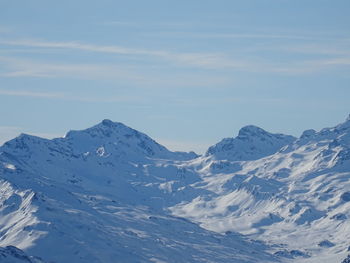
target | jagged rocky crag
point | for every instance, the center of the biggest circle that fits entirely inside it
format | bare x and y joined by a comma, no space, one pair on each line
112,193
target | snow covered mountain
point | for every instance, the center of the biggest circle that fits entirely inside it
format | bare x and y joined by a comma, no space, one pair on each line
252,143
296,199
112,194
100,195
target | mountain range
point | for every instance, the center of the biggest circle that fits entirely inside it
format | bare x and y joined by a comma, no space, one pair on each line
110,193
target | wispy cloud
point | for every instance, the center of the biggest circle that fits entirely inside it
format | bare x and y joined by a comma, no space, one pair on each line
312,66
148,24
334,61
203,60
257,36
17,67
330,49
189,58
119,23
232,35
136,77
5,29
200,60
23,93
69,97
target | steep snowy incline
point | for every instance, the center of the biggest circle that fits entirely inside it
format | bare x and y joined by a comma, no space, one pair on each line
297,199
16,213
252,143
101,194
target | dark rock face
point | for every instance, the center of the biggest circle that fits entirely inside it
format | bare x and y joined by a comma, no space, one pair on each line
14,254
291,254
345,196
347,260
339,216
326,243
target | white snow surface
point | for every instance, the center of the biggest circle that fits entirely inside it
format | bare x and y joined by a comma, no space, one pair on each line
112,194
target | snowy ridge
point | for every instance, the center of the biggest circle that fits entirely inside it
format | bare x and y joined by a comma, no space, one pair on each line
296,199
16,216
115,136
251,143
102,193
112,192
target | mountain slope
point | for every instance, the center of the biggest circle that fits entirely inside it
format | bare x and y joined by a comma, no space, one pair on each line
101,194
11,254
110,192
297,199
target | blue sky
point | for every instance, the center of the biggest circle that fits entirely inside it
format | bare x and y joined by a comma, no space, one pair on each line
187,73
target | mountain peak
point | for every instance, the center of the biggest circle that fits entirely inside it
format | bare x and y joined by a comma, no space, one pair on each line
24,139
105,128
111,124
122,140
348,118
251,130
308,134
107,123
251,143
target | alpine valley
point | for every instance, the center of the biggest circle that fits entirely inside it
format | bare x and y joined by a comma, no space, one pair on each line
112,194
